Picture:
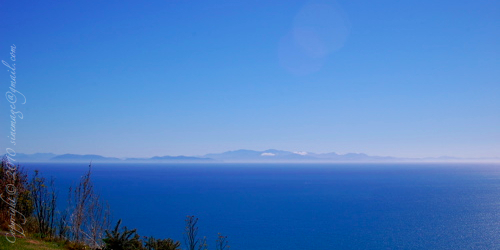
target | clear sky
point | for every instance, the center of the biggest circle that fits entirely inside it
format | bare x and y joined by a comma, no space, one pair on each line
172,77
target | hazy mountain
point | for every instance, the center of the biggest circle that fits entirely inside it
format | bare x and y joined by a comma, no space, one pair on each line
167,158
244,155
273,155
38,157
83,158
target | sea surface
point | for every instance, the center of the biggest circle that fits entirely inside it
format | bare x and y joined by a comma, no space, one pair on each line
302,206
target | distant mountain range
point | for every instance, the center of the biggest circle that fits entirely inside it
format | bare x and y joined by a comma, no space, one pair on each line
273,155
98,158
242,155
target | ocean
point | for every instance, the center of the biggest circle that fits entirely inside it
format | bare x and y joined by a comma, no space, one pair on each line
302,206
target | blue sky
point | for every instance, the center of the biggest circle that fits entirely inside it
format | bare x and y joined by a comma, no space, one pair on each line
138,79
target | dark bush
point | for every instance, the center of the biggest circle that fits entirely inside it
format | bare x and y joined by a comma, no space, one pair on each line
43,198
158,244
15,178
126,240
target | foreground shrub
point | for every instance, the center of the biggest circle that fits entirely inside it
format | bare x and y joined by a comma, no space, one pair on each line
193,242
88,217
43,197
221,243
157,244
126,240
15,179
191,235
71,245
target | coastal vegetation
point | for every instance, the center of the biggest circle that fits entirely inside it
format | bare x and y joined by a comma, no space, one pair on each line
30,219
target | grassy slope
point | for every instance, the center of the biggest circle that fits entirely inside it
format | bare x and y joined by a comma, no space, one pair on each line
28,244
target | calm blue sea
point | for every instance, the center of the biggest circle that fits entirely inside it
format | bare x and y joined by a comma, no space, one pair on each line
303,206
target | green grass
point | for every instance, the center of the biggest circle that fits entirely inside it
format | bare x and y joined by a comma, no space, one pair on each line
29,244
